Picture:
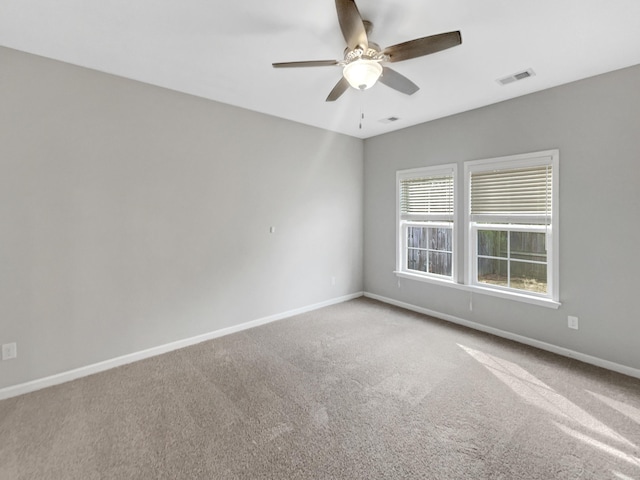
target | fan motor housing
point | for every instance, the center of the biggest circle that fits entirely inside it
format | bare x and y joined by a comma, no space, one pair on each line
368,54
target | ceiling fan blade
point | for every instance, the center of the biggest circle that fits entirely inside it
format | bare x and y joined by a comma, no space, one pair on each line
351,24
310,63
398,82
338,90
423,46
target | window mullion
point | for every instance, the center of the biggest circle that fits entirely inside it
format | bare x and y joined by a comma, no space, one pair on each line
509,259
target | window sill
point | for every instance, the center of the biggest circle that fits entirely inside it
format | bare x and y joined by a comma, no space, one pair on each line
518,297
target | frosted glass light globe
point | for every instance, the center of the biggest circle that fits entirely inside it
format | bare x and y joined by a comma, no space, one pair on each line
362,74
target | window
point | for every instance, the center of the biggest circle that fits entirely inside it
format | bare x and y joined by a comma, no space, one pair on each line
510,227
512,231
425,226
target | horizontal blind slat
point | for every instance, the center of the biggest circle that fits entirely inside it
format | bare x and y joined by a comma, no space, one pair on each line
520,191
427,195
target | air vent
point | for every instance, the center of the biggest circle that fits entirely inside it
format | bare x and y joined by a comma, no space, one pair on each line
389,120
516,76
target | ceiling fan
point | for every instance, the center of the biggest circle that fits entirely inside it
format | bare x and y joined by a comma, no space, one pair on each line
362,64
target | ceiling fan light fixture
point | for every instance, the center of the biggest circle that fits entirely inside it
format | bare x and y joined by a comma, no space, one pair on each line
361,66
362,74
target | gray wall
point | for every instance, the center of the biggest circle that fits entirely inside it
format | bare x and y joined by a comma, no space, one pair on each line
133,216
125,223
596,125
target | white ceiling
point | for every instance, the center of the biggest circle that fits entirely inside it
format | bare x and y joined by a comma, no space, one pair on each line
223,50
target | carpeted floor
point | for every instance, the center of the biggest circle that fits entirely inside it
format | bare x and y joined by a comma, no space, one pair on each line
360,390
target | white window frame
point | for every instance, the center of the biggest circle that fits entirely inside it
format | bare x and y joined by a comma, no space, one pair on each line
402,225
547,157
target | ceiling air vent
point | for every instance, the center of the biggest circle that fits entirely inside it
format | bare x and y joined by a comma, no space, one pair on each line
516,76
389,120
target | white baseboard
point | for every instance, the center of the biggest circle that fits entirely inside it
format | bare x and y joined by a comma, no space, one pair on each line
565,352
20,389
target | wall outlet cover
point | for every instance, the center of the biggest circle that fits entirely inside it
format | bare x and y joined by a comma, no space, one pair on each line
9,351
572,322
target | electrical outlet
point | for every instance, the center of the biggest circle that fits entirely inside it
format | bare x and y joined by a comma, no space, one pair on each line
572,322
333,281
9,351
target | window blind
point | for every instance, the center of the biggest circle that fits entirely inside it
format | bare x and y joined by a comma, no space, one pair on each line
427,197
521,192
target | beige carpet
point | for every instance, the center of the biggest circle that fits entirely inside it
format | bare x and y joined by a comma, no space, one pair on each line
360,390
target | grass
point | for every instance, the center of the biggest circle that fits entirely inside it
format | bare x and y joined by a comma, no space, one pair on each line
521,283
